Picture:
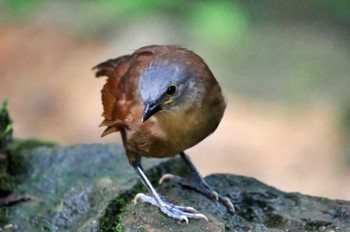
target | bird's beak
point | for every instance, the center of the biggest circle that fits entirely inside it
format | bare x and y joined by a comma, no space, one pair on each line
149,110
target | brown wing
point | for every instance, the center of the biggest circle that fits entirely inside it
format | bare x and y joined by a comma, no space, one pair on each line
114,69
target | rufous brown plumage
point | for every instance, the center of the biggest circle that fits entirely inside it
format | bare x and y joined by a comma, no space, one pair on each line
163,100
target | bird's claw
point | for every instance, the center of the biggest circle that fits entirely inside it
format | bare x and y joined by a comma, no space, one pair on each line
184,218
166,177
227,202
182,213
201,186
140,197
215,196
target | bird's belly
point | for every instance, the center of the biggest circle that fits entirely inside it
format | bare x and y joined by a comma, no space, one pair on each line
157,138
159,146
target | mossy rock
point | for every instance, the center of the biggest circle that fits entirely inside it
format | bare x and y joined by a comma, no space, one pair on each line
13,164
70,187
91,187
259,207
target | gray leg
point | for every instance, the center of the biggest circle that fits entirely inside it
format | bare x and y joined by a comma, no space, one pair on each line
197,183
178,212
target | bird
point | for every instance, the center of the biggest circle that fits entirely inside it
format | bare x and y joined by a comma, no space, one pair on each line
162,99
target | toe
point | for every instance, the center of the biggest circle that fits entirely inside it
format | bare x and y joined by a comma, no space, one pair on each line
215,196
166,177
201,216
185,208
183,218
190,210
171,177
182,213
228,203
140,197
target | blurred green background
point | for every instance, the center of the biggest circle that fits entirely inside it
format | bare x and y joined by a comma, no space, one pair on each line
284,67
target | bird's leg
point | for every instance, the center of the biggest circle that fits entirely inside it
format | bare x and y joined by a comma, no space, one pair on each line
197,183
181,213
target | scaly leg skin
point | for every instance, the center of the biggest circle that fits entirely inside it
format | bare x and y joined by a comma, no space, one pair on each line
197,183
181,213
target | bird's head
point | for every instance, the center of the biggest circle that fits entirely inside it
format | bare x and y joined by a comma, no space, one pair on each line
167,85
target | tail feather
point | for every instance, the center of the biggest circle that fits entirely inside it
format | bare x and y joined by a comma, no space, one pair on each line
114,69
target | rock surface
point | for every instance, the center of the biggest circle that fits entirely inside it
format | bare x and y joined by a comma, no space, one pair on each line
91,187
70,187
259,208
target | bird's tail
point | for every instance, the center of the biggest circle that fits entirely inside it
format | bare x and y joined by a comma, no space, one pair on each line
114,69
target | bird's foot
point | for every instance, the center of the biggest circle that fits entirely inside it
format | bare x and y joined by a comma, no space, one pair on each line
181,213
199,185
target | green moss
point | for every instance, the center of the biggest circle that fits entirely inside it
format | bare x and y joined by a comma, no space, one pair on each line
4,218
17,162
13,165
112,220
5,128
6,183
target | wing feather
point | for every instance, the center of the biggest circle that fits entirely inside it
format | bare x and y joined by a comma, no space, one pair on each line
114,69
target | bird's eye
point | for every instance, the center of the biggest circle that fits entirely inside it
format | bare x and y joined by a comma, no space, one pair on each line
171,89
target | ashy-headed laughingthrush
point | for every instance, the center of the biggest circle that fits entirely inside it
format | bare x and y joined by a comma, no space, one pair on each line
162,100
